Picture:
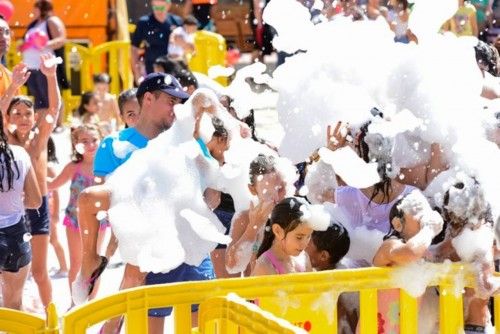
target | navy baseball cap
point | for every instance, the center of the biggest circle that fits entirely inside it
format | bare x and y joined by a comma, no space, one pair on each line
162,82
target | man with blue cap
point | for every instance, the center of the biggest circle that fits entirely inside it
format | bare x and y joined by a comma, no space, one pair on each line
157,95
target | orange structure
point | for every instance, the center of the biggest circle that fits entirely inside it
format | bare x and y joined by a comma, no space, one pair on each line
84,20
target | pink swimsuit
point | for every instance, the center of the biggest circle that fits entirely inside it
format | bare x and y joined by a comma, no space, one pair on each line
277,265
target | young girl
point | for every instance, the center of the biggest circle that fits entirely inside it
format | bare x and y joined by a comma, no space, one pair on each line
85,140
54,214
247,227
413,226
18,190
283,248
129,107
31,130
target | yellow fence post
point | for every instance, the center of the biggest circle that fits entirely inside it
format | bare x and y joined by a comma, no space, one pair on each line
182,318
52,320
450,310
408,308
497,314
368,319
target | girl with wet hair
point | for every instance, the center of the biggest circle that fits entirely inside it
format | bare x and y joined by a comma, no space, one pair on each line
247,227
18,191
286,237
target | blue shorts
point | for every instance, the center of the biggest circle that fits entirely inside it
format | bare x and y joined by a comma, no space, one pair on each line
225,218
15,252
183,273
38,220
37,87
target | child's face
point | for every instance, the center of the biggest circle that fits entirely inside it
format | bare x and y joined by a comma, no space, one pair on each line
220,145
101,87
410,227
88,142
269,187
190,29
130,112
22,117
92,106
320,259
296,241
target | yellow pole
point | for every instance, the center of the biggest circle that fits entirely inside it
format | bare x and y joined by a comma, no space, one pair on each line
368,311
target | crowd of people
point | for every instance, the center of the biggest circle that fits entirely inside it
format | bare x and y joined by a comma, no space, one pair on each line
268,222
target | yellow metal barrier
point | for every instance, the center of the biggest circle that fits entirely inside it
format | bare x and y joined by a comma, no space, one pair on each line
232,314
272,292
12,321
210,50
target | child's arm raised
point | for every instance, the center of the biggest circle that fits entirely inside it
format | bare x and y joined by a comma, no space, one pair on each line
47,120
63,177
397,252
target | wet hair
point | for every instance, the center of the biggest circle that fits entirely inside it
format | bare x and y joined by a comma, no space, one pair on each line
261,165
287,214
102,78
125,96
75,135
45,7
454,220
186,78
335,240
8,164
486,57
17,100
51,151
403,3
86,98
384,186
396,212
219,129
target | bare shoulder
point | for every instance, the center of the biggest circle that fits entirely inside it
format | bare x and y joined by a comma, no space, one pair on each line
382,257
263,267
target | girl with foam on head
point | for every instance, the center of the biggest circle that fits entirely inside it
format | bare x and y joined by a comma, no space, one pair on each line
247,227
470,238
85,140
413,226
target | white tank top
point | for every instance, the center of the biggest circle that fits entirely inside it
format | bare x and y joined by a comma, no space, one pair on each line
11,202
31,56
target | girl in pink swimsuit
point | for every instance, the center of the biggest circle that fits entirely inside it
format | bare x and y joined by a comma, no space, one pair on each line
286,237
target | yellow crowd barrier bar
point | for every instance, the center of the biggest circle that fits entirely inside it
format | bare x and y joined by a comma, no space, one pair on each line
230,310
13,321
134,303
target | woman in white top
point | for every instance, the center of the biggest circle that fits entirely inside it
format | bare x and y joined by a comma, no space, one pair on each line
46,34
18,190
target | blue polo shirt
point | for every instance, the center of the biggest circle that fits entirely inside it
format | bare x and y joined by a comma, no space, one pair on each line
155,36
114,150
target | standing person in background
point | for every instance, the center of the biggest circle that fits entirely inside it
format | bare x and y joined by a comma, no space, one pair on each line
483,16
153,34
397,17
45,34
108,111
202,11
18,191
32,132
262,32
464,22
